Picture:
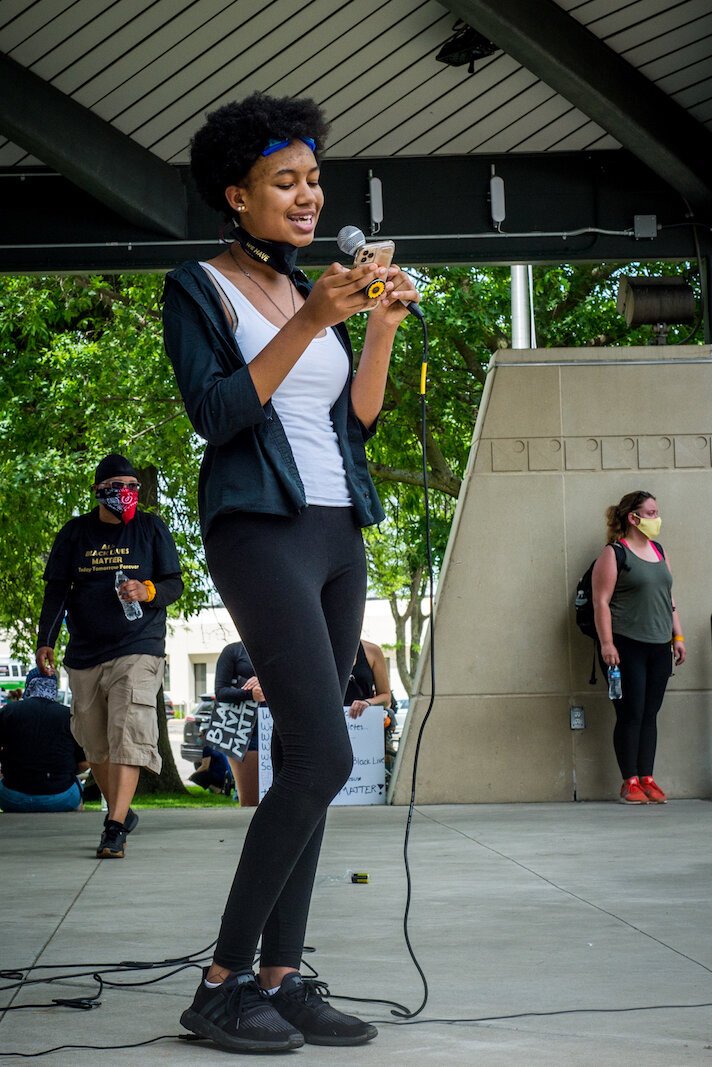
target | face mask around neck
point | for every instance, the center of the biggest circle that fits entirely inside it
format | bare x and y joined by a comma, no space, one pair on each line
278,255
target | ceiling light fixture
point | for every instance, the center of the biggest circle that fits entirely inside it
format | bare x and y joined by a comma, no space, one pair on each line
465,46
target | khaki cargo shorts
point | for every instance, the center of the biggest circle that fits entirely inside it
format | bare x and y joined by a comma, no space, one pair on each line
114,710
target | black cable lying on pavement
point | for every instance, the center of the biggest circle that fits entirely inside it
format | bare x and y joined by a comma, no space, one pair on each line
104,1048
538,1014
98,972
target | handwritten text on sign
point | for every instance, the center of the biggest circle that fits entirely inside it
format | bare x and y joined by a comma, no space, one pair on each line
367,782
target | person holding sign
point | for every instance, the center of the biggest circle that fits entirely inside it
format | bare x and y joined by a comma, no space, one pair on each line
369,684
236,681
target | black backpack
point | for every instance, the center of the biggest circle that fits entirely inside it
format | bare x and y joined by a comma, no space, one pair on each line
584,604
584,594
584,600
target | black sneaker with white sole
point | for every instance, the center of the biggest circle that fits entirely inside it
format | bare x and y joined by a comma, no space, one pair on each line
239,1017
112,842
299,1001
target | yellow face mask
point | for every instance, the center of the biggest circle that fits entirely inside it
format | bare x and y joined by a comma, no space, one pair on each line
650,528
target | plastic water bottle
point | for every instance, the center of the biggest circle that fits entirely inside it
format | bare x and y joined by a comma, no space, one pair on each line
614,683
132,608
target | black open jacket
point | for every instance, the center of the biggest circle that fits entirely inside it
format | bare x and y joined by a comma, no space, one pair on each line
248,464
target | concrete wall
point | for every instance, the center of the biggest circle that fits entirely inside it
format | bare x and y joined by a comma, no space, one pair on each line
561,434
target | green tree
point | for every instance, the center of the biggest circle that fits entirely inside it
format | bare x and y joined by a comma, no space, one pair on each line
83,374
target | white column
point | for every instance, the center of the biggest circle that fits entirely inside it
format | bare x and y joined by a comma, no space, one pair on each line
521,321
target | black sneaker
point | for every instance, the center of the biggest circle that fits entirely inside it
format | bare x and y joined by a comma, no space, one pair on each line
239,1017
299,1001
113,840
130,822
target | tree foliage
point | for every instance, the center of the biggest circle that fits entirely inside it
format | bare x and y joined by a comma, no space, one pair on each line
83,374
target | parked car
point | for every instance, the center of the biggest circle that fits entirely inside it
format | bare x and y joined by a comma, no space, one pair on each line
168,704
192,747
401,715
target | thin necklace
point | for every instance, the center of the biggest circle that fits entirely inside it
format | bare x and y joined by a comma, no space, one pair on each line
264,291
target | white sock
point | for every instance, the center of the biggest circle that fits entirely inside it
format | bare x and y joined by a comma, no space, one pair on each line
271,992
211,985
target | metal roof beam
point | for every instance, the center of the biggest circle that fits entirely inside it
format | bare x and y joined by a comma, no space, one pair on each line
570,59
90,152
561,207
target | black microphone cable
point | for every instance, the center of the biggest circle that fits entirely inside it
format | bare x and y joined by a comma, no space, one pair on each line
406,1014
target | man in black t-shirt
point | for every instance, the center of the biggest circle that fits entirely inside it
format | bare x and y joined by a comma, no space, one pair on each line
110,575
38,755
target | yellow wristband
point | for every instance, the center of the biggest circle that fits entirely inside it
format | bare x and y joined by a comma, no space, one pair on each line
678,637
151,590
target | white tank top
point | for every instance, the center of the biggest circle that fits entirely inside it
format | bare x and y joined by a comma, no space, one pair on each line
303,401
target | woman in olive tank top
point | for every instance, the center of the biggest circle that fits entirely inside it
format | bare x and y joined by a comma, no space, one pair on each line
636,622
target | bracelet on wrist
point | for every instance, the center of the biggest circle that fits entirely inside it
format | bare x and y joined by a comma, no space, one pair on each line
678,637
151,590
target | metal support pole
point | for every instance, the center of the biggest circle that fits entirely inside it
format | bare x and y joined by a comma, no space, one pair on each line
530,290
706,293
521,333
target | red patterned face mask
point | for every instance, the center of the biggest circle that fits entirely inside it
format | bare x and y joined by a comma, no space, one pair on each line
120,500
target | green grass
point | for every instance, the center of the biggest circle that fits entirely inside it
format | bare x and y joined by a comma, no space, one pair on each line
194,798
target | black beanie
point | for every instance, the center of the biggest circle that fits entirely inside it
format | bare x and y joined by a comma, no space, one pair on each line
112,466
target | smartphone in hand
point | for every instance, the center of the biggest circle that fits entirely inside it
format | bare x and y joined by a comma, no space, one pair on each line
381,253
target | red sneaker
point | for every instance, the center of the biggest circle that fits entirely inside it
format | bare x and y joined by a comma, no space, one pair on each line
652,790
632,792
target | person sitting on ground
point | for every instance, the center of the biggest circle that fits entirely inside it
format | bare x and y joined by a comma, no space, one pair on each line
213,772
39,757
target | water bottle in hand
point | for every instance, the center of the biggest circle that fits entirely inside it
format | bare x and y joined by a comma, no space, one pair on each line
132,608
614,683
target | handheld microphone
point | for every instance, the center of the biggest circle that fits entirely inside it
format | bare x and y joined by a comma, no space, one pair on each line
350,240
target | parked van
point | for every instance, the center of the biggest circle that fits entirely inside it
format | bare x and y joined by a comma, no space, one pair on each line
12,676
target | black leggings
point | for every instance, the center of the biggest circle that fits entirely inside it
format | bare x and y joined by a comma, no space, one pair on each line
296,589
645,669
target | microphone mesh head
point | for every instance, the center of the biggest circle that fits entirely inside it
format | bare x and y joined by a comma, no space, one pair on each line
350,239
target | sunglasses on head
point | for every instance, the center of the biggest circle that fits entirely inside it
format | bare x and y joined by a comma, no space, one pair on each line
273,145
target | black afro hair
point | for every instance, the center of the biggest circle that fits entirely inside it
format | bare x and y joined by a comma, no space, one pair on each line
233,137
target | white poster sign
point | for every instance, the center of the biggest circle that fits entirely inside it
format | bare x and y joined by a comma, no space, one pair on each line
367,782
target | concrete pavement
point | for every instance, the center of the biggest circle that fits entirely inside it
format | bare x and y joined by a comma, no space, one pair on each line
581,910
